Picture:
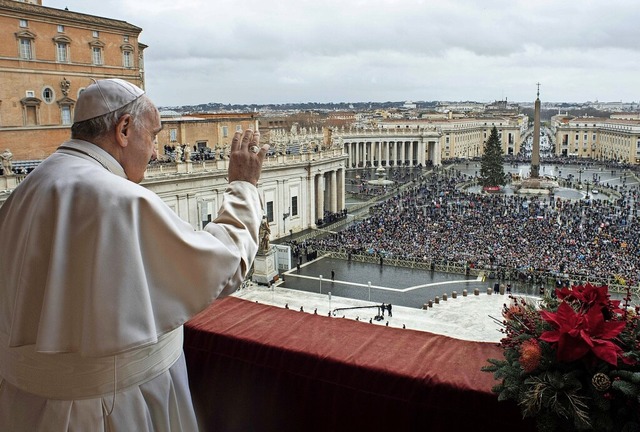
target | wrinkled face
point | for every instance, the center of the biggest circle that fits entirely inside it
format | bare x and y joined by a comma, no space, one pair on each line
142,146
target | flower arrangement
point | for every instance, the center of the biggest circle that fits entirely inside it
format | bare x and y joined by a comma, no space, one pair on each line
572,360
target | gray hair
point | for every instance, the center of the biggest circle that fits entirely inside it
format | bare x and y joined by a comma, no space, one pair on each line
98,126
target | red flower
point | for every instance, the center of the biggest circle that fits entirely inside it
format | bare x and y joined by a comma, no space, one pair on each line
530,354
578,333
590,296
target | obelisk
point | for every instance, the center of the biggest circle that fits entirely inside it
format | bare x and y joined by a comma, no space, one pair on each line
535,152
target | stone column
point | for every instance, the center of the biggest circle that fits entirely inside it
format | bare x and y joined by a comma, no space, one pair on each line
394,150
341,189
333,198
310,201
386,152
319,196
437,153
284,203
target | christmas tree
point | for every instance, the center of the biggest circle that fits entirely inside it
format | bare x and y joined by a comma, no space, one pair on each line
491,166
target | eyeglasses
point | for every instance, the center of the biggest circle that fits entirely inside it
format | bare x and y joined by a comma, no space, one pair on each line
153,134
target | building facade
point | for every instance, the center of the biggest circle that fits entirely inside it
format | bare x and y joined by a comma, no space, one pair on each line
47,57
465,137
296,190
203,132
608,139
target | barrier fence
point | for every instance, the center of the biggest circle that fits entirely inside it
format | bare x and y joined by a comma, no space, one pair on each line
497,273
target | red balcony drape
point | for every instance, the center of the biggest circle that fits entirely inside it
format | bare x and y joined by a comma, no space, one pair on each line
254,367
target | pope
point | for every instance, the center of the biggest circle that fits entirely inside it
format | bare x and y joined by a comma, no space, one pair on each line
99,275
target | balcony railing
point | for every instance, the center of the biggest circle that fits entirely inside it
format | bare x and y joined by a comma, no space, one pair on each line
254,367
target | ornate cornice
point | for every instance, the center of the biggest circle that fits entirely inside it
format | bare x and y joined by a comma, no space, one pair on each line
66,101
62,39
25,34
96,43
65,15
30,101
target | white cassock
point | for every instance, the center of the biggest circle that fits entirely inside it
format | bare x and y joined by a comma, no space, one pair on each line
97,277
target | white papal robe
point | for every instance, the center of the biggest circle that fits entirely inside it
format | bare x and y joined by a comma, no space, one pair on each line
97,277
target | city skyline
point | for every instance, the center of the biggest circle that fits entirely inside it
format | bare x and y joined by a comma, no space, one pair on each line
266,52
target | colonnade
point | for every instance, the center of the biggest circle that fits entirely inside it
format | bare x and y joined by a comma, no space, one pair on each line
329,191
391,153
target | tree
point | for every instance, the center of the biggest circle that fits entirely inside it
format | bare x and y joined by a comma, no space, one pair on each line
491,165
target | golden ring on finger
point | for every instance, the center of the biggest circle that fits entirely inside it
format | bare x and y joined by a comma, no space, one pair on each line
254,149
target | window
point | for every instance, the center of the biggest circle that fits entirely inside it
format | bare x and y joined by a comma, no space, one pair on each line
30,109
225,131
60,28
47,95
26,53
173,135
30,93
95,33
24,23
62,52
127,59
65,112
270,211
97,55
294,206
238,128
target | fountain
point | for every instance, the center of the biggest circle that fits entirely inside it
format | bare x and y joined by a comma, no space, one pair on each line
381,180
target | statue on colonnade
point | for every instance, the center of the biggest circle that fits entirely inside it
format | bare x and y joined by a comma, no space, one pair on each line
7,165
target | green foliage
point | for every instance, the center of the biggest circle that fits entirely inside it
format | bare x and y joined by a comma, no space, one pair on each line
582,394
629,389
491,165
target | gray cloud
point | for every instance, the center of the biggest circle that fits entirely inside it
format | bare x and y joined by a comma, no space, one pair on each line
268,51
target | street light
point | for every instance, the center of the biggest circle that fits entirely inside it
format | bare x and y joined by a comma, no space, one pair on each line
320,284
284,220
587,182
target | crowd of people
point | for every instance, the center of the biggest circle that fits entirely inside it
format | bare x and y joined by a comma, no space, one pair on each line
437,221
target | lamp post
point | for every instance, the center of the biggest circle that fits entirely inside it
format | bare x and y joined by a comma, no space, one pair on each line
284,220
320,284
587,182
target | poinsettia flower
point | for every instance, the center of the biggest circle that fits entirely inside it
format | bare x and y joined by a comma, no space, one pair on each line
577,334
590,296
587,294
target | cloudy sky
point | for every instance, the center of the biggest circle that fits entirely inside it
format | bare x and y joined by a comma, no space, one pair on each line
270,51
